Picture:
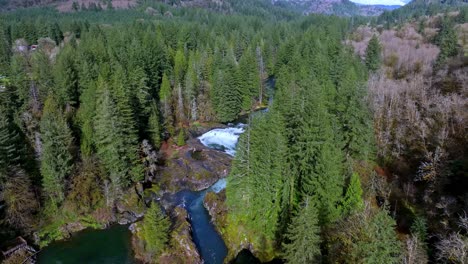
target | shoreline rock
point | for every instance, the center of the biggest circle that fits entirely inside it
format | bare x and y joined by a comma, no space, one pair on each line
181,248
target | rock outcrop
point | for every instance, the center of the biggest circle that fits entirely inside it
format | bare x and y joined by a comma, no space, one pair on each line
181,248
194,167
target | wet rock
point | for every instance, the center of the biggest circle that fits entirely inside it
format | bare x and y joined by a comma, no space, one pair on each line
236,238
181,248
194,167
68,229
214,204
127,218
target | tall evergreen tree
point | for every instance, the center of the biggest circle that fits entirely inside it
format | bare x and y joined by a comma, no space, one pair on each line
66,76
380,243
56,159
353,198
447,40
154,126
5,51
55,33
191,87
155,229
9,149
249,78
304,236
165,97
258,177
373,55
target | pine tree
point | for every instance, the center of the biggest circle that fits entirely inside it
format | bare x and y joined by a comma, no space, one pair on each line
227,99
191,88
126,116
56,159
179,74
165,97
66,76
116,141
380,243
249,78
155,229
373,56
86,114
447,40
304,236
353,198
109,143
5,52
257,177
353,115
154,126
9,149
42,75
55,33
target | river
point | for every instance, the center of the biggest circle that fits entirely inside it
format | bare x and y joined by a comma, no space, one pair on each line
112,245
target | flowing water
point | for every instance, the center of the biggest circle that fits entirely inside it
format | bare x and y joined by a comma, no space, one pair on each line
209,243
112,245
223,139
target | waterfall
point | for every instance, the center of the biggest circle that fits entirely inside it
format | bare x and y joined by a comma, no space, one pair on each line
223,139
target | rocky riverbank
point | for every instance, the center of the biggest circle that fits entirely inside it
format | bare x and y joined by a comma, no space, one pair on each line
181,248
235,236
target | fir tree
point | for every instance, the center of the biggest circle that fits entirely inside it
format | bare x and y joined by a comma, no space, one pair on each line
257,177
66,77
353,198
304,236
249,78
447,40
380,243
190,92
165,97
154,126
56,33
373,56
155,229
56,159
9,150
5,52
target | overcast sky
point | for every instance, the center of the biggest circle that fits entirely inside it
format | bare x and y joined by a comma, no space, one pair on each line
379,2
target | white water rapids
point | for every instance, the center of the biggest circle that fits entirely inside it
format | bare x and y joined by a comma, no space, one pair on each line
223,139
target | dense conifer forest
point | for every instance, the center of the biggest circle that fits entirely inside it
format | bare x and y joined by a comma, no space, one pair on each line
354,150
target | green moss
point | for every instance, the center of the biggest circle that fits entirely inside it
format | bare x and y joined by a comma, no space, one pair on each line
90,222
50,233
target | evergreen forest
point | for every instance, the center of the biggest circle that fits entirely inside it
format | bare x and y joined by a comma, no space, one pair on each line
352,150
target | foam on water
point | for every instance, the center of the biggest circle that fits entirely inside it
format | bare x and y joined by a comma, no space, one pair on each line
223,139
219,185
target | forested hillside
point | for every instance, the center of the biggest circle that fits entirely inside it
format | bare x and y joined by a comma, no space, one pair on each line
418,93
354,149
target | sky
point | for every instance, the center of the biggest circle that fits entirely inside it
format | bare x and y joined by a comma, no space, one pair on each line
380,2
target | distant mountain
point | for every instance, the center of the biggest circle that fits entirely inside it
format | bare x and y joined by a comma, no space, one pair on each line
278,7
335,7
64,5
418,8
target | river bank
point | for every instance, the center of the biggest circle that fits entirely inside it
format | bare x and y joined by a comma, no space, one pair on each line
193,168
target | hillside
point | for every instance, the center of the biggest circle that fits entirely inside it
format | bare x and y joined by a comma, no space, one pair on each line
67,5
418,96
333,7
417,8
329,7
